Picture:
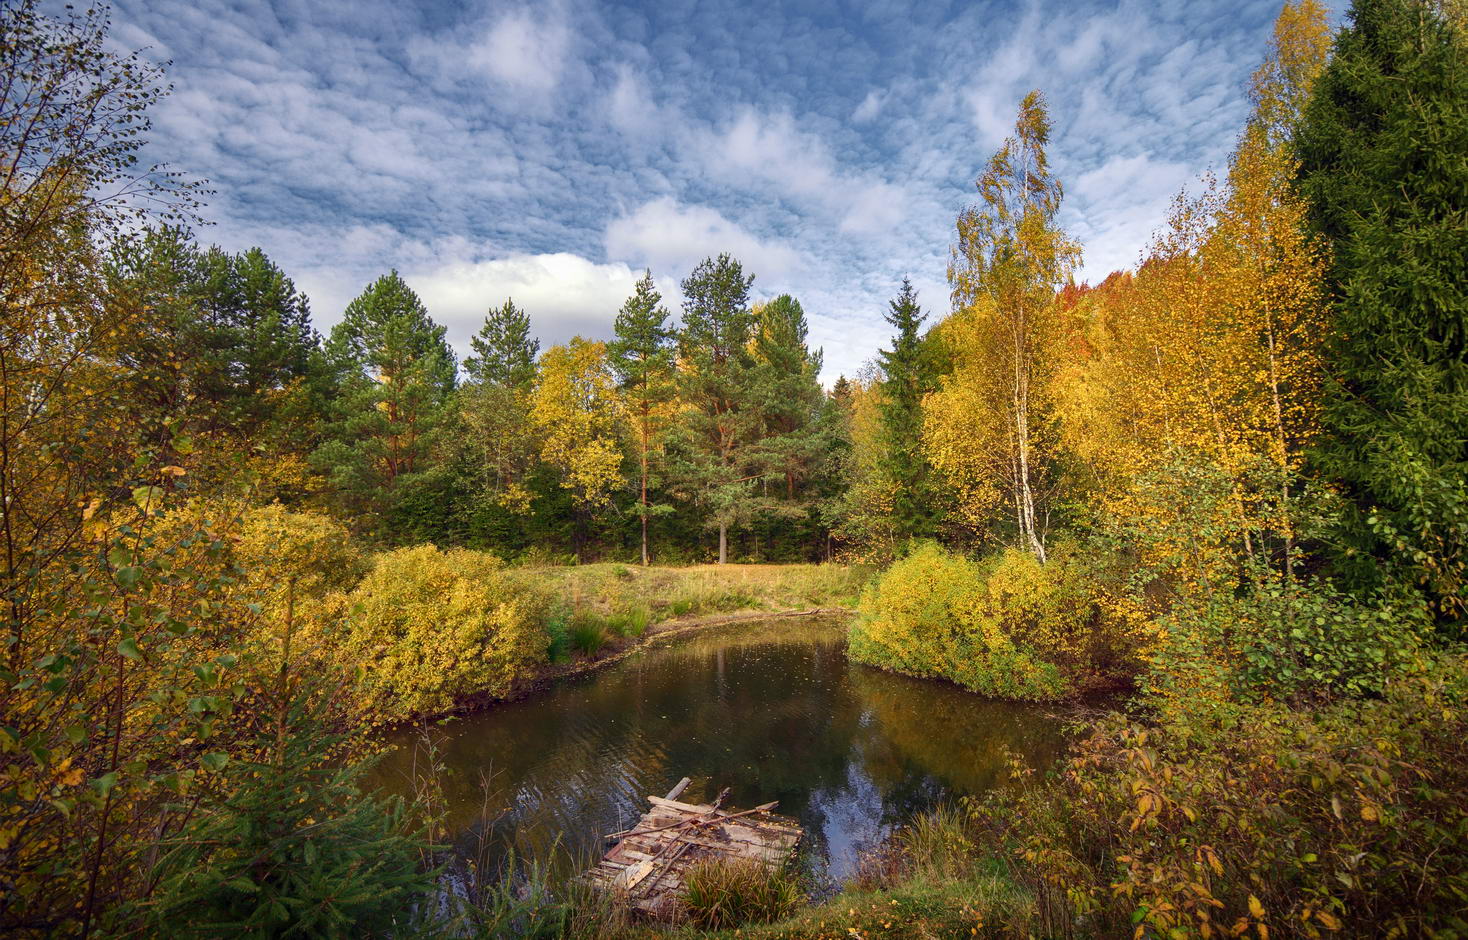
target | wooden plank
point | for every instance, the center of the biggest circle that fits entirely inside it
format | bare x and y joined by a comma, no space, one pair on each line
677,790
685,821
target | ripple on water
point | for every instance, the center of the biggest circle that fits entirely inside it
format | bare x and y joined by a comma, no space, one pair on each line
770,709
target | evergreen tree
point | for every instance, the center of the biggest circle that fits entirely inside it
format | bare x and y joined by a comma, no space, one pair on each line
495,408
907,377
264,331
504,351
1382,147
396,374
642,358
795,447
721,426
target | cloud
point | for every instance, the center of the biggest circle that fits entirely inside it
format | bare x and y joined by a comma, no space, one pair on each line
524,49
670,237
549,149
565,294
869,107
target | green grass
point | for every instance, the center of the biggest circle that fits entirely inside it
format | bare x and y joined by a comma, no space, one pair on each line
723,892
588,632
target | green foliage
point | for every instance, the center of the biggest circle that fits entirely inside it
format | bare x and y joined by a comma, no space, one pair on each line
641,355
285,842
431,628
721,892
588,632
713,452
908,374
1380,147
1300,642
504,351
396,373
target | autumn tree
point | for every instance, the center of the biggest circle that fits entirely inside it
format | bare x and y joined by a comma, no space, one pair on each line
1381,165
720,424
641,356
577,416
1009,258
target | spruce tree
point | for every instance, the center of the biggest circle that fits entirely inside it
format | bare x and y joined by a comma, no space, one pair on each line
907,377
504,351
1381,150
641,355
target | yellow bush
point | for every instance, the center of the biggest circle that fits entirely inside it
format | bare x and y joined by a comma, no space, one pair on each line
277,546
268,557
430,628
1010,627
915,617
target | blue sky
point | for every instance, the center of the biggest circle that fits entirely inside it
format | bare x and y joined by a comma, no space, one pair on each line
550,151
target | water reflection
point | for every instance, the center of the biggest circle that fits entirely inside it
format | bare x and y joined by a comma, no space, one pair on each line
772,710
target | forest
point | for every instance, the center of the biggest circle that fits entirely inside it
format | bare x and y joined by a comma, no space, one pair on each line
1215,506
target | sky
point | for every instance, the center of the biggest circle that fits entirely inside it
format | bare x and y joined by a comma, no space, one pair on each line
551,151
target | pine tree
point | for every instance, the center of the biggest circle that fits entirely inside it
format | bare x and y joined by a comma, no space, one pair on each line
395,374
796,442
721,426
642,357
495,407
504,351
907,377
1381,149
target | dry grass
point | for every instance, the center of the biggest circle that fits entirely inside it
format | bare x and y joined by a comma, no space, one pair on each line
629,598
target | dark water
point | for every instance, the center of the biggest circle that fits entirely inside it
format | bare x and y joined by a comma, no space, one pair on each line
770,709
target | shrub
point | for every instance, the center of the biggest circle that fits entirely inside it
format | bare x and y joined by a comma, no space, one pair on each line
721,892
286,842
276,545
429,628
1303,642
1009,627
1349,819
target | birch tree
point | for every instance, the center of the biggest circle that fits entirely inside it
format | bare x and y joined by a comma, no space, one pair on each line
1008,261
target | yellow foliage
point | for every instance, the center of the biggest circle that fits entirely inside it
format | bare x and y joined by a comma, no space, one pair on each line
429,628
1011,626
577,413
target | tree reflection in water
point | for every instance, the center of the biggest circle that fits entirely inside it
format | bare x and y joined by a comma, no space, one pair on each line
771,709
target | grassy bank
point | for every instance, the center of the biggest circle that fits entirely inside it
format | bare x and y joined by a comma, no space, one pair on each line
601,607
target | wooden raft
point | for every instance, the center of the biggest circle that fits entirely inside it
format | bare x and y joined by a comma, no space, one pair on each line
649,861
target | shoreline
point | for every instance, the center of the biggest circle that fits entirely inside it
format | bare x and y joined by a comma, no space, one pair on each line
614,652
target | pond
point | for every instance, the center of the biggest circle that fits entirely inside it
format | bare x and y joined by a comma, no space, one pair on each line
770,709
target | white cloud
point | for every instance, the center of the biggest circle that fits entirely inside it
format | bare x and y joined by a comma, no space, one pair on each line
670,238
869,107
524,49
565,294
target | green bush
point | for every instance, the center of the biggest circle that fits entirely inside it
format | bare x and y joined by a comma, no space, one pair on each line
430,628
1009,627
1303,642
282,840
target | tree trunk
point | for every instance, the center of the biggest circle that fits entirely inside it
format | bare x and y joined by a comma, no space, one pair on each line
723,542
644,493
